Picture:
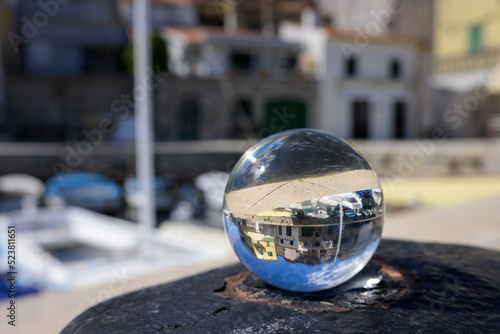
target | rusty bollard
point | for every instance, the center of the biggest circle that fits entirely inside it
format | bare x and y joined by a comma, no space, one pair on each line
416,288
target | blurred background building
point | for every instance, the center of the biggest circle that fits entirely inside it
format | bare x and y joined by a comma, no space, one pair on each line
414,84
466,55
371,93
232,65
232,69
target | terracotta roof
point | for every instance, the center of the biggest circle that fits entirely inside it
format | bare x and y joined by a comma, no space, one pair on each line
198,35
194,35
336,35
173,2
292,7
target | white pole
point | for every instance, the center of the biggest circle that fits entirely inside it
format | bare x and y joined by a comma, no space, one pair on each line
143,125
2,78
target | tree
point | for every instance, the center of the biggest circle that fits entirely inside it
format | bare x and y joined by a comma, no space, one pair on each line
158,50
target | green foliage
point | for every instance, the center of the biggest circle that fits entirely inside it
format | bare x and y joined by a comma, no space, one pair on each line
159,54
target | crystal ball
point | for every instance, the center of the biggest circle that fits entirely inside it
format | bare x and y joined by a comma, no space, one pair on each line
303,210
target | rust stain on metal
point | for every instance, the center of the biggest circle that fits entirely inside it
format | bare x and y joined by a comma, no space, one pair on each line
233,290
237,286
403,277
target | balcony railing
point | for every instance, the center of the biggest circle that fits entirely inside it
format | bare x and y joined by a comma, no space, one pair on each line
470,62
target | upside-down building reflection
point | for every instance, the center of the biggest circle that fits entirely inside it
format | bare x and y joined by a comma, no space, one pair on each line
317,232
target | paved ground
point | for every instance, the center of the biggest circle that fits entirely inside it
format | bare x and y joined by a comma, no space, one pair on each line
474,222
50,312
442,191
255,200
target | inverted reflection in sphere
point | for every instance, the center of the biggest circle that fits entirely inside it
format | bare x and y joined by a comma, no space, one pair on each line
303,210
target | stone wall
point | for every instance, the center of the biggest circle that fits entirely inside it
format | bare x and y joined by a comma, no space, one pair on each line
188,159
58,109
217,98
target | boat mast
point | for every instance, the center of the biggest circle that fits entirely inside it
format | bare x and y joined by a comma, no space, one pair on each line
143,126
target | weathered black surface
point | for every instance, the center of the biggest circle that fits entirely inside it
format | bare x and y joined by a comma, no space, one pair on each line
456,289
395,284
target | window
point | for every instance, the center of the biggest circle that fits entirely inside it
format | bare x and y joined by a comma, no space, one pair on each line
351,67
395,69
270,253
475,38
99,59
291,242
280,231
267,243
288,231
399,120
290,62
281,241
283,65
189,118
330,230
307,232
360,119
241,61
209,14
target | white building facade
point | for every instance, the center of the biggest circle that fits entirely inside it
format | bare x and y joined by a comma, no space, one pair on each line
369,92
233,85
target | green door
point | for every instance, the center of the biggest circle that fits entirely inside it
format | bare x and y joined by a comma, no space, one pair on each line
475,38
284,114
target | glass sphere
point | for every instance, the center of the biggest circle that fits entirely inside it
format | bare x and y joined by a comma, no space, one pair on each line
303,210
